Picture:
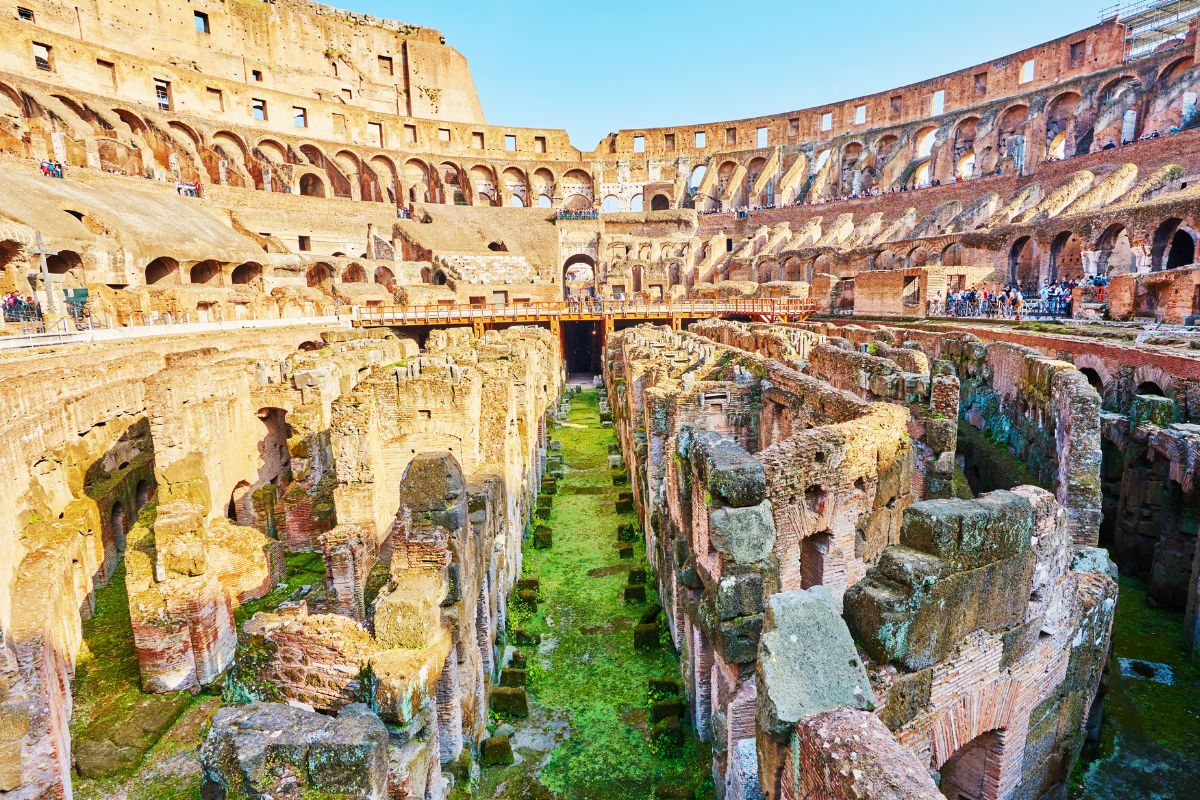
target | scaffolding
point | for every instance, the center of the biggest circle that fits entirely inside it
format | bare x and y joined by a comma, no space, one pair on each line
1150,23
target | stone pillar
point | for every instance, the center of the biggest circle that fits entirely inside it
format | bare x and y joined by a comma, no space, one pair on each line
449,711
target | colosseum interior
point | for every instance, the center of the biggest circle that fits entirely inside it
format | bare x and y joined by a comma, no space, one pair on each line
702,464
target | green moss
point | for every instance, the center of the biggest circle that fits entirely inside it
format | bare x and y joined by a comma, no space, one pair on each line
592,675
1151,731
300,570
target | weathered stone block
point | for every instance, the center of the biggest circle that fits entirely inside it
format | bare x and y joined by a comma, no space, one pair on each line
627,532
637,575
739,638
339,756
966,534
528,598
624,506
663,687
512,677
650,614
739,595
543,538
665,709
510,701
746,534
635,593
522,637
496,751
668,732
975,558
645,637
808,663
728,471
625,551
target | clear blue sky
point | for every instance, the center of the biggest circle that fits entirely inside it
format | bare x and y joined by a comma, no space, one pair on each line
595,67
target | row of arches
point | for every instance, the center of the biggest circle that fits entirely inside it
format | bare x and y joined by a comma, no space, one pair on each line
166,271
135,143
1008,137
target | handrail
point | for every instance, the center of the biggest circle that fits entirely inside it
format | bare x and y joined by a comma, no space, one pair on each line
572,310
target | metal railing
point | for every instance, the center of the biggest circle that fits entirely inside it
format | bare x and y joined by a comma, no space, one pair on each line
567,310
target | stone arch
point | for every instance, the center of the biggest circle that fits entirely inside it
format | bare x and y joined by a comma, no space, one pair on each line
1096,371
248,274
335,180
354,273
69,264
660,202
205,272
611,204
578,182
143,492
1175,70
312,185
1066,257
417,177
515,187
453,184
923,141
187,131
272,151
118,524
578,269
636,203
543,183
162,271
385,277
1059,115
885,260
1149,379
319,276
484,185
1174,245
969,773
350,167
951,255
1023,266
1012,120
885,145
793,269
1115,255
387,174
577,202
917,257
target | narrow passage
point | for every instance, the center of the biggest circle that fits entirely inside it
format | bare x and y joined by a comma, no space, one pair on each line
593,727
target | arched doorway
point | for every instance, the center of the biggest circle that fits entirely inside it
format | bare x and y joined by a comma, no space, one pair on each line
969,773
579,276
311,185
1174,246
354,274
162,271
1023,267
1066,257
118,524
248,274
319,276
659,203
206,272
1115,256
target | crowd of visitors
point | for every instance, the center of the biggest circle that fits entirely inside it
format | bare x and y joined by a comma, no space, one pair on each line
581,215
21,309
188,188
1014,301
52,169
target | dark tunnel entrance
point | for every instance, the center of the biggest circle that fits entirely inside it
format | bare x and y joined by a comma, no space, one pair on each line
582,346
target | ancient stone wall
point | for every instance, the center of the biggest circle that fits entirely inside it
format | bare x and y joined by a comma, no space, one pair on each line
719,507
